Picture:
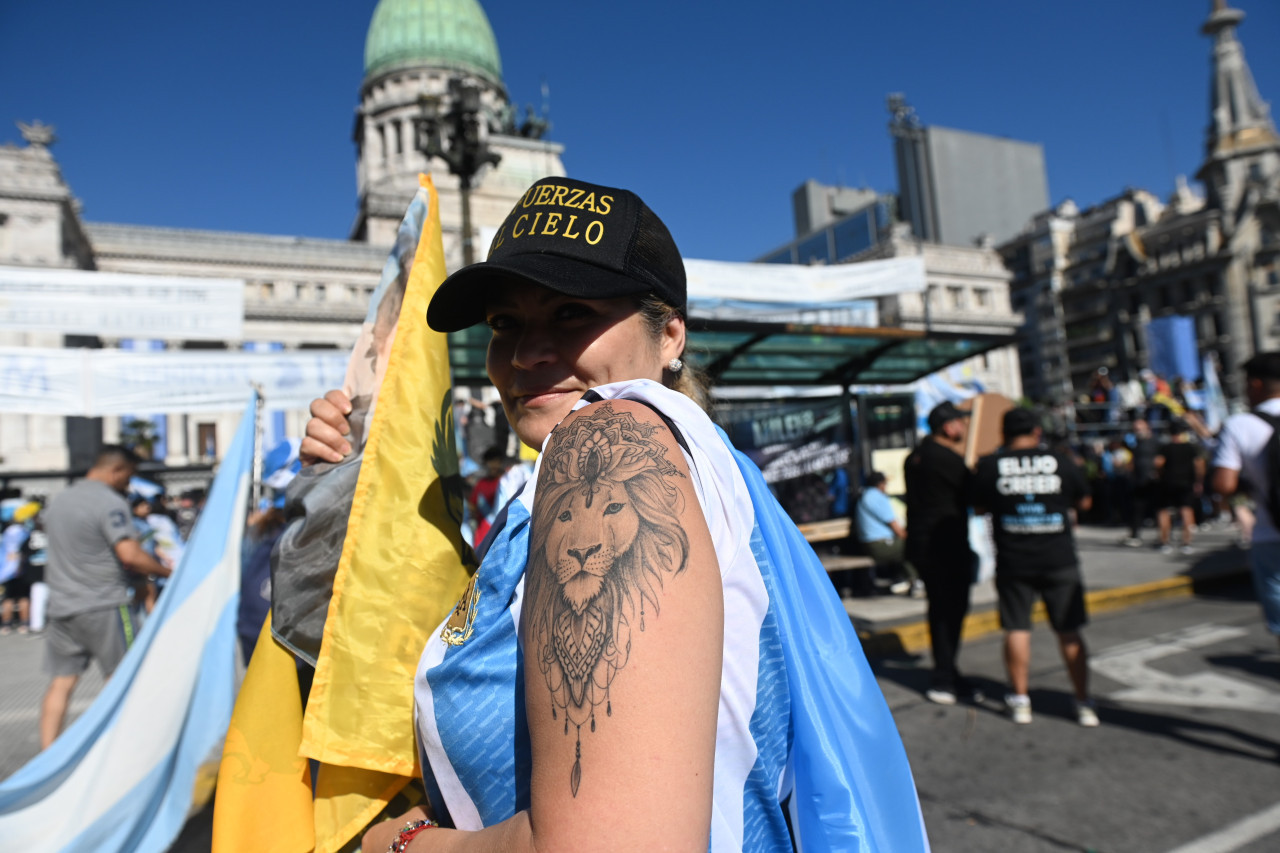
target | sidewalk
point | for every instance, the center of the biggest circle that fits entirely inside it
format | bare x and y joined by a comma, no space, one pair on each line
22,674
1115,577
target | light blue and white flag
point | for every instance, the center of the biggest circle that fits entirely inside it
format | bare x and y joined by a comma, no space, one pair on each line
853,785
126,775
1215,401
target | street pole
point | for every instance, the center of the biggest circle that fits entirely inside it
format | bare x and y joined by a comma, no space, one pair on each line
456,138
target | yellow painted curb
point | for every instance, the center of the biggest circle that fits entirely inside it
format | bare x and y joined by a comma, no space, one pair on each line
914,636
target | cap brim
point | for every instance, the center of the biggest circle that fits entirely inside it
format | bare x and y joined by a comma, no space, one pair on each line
459,302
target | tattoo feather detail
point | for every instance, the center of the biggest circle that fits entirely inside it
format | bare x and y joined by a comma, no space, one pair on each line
605,535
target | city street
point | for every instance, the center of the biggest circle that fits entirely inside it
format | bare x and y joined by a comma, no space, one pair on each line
1189,745
1187,753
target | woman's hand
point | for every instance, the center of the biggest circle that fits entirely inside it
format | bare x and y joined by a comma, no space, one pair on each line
378,838
325,439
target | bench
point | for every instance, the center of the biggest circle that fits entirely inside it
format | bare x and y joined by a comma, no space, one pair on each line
825,531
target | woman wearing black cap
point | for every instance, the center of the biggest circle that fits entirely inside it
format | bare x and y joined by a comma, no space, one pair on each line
624,671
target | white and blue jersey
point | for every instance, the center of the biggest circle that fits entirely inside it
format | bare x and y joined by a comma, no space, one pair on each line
469,688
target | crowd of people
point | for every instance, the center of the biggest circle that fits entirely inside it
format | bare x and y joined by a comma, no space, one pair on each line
1038,486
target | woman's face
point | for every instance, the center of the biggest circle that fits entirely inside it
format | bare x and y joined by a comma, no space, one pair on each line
547,349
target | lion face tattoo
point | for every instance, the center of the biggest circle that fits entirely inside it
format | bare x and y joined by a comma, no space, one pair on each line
605,535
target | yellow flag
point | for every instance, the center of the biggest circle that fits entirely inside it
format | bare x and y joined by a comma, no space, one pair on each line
402,570
264,787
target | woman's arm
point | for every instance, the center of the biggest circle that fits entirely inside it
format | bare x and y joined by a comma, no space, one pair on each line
622,625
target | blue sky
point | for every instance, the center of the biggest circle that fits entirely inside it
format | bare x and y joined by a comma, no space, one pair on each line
237,115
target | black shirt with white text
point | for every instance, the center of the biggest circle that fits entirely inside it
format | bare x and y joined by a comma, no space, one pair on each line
1030,494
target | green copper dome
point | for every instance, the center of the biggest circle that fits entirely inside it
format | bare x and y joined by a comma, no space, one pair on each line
448,33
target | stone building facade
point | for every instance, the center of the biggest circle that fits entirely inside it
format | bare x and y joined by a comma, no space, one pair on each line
967,292
1131,259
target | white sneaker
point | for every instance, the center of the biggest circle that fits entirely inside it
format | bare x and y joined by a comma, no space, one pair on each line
1187,549
900,587
917,588
1166,549
1019,708
1131,542
1086,714
940,696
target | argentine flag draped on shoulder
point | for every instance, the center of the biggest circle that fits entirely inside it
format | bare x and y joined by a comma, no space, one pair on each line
126,774
373,557
853,784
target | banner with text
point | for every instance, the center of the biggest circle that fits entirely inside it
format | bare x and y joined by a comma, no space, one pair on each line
125,305
789,441
96,382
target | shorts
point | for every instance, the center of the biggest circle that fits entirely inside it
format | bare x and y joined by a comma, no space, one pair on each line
16,588
1169,496
104,634
1061,590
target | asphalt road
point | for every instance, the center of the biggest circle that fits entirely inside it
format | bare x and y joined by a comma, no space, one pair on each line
1187,758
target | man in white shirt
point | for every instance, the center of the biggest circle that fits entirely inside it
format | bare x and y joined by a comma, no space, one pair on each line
1241,462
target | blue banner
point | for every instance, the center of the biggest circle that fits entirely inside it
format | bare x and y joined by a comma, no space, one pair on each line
1172,351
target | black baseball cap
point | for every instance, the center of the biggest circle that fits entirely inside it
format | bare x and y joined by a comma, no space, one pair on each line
1263,365
944,413
573,237
1020,421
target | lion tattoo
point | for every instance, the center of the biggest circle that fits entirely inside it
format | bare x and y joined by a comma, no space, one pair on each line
606,534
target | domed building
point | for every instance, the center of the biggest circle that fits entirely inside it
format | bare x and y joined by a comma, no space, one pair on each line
414,49
303,298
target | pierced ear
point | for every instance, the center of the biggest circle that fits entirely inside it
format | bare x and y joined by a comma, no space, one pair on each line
673,336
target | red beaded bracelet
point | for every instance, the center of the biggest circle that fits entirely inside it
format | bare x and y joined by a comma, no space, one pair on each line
411,829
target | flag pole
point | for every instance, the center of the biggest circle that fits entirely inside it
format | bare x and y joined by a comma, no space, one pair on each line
258,408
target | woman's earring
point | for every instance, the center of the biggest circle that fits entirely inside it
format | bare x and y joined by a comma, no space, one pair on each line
675,365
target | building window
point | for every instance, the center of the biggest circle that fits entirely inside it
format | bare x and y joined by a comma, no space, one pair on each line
814,250
955,297
982,297
266,290
207,441
855,234
319,292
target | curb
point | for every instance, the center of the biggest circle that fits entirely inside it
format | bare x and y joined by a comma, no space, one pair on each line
913,637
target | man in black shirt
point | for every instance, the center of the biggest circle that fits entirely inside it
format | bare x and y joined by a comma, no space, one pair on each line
938,484
1181,478
1031,492
1145,448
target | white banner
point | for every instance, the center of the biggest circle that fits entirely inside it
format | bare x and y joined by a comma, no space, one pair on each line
80,302
800,287
118,382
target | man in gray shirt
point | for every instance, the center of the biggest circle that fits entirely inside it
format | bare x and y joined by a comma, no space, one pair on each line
92,545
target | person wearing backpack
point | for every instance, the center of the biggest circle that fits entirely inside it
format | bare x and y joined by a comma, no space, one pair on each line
1248,457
